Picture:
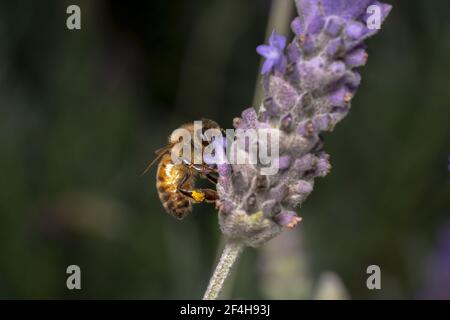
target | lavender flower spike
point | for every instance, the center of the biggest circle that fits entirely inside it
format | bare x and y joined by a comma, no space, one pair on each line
308,89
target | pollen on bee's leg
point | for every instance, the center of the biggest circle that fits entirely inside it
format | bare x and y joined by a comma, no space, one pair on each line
198,196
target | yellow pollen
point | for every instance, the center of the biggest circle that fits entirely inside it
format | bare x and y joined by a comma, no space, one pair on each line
348,97
198,196
294,222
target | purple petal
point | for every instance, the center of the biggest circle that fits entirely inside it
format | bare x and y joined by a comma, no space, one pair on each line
337,69
333,26
267,51
353,80
323,168
305,163
340,97
315,24
277,40
355,30
278,193
297,26
283,93
308,11
280,64
309,44
304,187
293,52
348,9
356,58
267,66
284,162
249,118
322,122
335,46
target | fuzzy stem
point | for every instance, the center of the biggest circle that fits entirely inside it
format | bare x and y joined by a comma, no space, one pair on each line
280,14
229,256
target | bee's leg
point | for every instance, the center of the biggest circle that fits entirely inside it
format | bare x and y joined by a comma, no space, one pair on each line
211,178
198,195
203,170
203,195
200,168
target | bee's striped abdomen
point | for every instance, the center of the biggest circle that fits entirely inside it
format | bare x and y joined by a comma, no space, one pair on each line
168,177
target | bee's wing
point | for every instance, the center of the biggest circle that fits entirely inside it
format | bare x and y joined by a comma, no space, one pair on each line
159,154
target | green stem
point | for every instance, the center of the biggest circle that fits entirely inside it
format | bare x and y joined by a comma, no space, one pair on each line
229,256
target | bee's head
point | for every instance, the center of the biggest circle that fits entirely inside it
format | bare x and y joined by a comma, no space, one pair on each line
209,124
198,137
191,129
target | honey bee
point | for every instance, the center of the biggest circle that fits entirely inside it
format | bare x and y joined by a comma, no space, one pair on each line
175,183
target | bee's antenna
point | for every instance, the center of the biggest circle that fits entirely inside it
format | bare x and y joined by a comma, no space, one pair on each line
159,154
147,168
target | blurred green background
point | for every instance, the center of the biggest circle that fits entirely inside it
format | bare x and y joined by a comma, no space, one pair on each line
81,113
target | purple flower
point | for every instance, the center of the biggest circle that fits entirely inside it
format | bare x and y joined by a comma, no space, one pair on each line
273,53
288,219
302,100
